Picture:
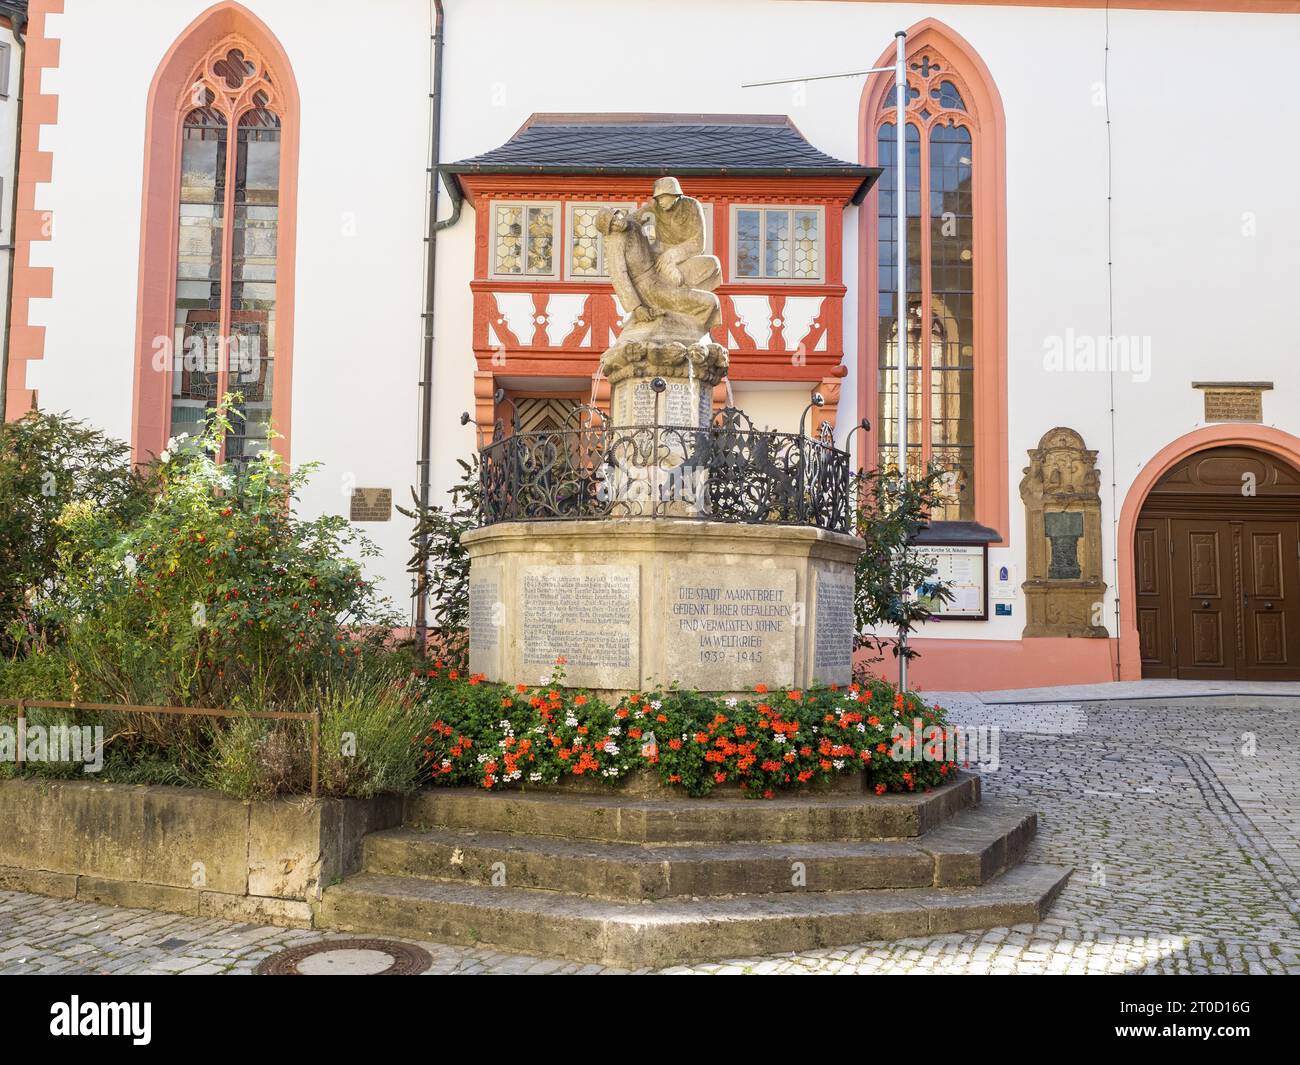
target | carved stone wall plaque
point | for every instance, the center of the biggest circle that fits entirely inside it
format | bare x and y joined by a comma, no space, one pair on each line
833,627
588,615
486,621
736,623
1064,592
371,504
1233,405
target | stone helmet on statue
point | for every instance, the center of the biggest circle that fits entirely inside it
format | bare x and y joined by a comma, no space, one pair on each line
667,186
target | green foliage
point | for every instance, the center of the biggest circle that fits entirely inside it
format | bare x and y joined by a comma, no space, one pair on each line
894,587
494,736
47,673
218,593
48,461
369,742
440,562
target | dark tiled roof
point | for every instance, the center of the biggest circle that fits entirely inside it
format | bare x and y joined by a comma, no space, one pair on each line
682,145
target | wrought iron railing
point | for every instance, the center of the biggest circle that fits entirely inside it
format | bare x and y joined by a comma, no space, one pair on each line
726,471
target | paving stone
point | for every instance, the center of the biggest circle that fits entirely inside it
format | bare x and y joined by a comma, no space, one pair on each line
1195,867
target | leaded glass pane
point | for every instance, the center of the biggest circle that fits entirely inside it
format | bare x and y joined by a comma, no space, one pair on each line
748,243
509,235
585,251
887,230
959,485
201,221
776,243
541,240
807,257
948,96
952,354
251,418
251,354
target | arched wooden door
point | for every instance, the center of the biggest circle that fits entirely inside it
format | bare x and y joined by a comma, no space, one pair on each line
1217,569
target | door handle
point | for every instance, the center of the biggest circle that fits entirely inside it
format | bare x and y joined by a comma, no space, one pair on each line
1205,604
1268,606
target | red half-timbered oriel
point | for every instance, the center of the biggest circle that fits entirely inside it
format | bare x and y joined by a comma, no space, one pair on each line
544,309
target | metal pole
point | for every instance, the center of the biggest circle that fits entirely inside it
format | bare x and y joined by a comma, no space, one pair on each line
315,754
900,203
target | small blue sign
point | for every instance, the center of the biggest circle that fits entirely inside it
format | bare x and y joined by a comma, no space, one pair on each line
1002,610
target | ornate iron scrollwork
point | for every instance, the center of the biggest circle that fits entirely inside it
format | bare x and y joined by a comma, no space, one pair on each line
726,471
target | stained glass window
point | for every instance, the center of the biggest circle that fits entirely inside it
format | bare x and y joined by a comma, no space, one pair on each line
198,268
940,284
226,254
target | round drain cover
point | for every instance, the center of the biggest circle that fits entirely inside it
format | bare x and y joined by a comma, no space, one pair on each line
348,957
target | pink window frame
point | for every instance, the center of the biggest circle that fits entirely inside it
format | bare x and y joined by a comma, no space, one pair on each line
229,25
988,133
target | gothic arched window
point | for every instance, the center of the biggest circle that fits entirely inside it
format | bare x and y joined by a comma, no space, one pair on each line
955,290
217,241
224,339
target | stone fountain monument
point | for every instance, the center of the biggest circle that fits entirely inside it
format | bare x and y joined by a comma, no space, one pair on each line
666,544
666,287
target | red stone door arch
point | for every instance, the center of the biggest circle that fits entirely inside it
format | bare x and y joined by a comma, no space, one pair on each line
1216,567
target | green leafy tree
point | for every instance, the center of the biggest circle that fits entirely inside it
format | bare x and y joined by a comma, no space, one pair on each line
439,562
895,588
48,461
218,593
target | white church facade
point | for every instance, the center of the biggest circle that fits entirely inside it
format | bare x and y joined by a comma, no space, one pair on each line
1103,247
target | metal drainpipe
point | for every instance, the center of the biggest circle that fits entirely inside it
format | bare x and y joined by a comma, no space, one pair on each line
18,22
426,372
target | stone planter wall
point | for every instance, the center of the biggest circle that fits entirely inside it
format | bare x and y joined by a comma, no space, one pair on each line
183,850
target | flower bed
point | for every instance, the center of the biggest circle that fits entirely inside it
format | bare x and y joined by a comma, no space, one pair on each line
496,736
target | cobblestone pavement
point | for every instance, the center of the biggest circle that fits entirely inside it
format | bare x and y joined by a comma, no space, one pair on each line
1182,823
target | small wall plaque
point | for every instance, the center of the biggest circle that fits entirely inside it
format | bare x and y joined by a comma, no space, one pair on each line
1233,401
372,504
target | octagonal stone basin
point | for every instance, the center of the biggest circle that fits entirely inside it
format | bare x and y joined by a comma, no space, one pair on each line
636,603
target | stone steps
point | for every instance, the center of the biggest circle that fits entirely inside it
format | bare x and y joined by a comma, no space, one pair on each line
648,878
652,934
610,818
968,850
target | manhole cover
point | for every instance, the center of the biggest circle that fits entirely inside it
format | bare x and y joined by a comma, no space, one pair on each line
348,957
